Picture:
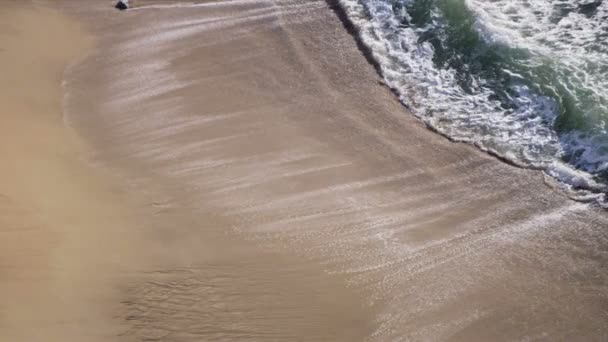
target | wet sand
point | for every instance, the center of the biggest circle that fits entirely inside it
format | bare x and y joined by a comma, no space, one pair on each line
274,189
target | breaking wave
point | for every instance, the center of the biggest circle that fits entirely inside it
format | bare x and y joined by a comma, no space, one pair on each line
526,80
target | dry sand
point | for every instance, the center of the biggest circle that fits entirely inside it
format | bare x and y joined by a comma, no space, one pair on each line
54,210
256,181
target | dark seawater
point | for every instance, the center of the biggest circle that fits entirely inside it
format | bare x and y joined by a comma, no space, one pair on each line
526,80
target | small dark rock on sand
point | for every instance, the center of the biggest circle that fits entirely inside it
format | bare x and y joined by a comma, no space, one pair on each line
122,5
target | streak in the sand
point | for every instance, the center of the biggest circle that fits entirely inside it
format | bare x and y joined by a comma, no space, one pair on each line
287,195
188,4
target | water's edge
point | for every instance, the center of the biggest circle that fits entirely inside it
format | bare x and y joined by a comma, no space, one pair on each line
576,184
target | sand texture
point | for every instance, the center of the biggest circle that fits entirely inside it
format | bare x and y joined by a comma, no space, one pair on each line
244,175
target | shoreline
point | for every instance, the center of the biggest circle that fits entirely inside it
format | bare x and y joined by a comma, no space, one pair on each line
267,116
590,192
252,179
575,183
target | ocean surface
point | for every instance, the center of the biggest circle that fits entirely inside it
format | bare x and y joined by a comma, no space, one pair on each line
526,80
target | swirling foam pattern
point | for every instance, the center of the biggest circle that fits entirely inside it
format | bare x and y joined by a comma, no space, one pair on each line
523,79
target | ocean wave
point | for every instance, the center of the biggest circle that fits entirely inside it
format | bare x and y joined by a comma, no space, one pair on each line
523,80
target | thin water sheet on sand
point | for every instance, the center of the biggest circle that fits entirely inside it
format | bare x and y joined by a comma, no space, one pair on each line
292,197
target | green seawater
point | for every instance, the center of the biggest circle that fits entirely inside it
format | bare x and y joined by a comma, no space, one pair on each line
581,108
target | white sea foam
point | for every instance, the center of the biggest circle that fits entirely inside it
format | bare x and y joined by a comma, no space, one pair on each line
523,133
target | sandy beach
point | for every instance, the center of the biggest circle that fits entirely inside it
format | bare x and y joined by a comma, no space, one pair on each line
238,171
55,210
